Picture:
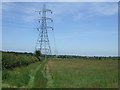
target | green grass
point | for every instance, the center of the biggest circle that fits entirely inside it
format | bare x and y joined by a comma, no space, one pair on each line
20,77
64,73
76,73
40,80
31,76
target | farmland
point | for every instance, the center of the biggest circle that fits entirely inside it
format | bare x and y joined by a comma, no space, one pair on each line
76,73
58,72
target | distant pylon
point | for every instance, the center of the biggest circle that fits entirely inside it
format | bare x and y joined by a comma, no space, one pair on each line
43,44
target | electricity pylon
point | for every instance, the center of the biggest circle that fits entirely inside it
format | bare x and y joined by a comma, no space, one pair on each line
43,44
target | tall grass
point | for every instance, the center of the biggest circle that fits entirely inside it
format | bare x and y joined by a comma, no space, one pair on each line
40,77
22,71
14,70
76,73
20,76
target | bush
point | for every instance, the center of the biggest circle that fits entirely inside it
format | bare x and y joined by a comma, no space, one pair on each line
38,54
12,60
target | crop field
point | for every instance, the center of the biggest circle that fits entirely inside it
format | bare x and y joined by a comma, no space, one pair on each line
58,72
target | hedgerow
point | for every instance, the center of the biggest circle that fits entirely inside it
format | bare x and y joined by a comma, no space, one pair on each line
12,60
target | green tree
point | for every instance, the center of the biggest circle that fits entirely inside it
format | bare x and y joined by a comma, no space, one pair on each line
38,54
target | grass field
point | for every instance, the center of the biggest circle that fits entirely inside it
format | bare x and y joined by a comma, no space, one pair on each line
64,73
76,73
24,77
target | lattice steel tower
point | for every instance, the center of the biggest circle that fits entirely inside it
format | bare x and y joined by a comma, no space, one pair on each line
43,44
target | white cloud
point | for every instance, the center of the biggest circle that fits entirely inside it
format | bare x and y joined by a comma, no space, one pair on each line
75,10
80,10
27,12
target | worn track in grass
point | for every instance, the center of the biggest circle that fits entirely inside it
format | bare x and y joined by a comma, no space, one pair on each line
32,76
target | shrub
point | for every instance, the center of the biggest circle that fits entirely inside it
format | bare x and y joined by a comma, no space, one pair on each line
38,54
12,60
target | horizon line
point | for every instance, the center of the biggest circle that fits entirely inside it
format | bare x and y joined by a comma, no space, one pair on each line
64,54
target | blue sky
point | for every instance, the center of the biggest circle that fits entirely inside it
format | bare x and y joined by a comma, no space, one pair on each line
81,28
